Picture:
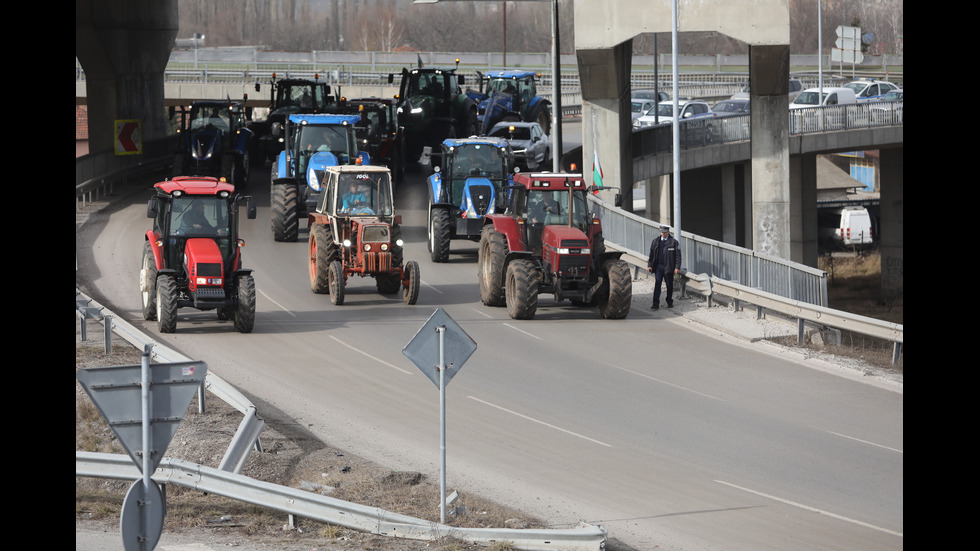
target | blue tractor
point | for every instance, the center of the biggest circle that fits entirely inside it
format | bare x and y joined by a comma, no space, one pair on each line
467,185
312,143
510,95
214,141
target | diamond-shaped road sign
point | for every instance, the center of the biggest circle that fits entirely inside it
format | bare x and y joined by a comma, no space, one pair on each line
423,349
117,393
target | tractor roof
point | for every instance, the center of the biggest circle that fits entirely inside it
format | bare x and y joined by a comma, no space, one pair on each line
324,118
357,168
549,180
195,185
456,142
510,73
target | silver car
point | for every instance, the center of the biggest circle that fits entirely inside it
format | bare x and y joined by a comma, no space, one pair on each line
531,147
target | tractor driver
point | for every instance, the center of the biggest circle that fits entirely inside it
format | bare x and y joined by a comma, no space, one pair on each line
193,221
543,208
355,202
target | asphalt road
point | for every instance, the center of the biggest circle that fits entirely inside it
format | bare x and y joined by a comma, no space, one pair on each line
668,437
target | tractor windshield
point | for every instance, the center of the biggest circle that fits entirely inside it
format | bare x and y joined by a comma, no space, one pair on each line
477,161
203,116
336,139
552,207
199,216
298,96
365,193
434,84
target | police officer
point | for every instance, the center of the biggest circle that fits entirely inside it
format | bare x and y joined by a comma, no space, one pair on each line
665,261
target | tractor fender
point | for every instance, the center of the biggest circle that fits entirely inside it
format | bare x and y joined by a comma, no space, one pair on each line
538,102
154,240
438,194
509,227
282,168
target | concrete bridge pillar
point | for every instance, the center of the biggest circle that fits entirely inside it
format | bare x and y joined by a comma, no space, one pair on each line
803,223
773,233
892,222
124,47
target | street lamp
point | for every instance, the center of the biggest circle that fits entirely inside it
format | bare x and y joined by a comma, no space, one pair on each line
555,72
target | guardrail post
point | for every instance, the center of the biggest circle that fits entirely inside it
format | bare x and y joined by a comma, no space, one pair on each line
107,331
896,353
800,331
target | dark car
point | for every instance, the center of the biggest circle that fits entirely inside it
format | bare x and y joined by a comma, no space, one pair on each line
729,107
531,147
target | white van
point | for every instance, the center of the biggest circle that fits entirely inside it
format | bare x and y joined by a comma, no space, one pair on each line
831,96
854,228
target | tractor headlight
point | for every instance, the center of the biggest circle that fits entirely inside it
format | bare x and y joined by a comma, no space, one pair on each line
384,246
574,251
347,242
208,280
367,247
399,242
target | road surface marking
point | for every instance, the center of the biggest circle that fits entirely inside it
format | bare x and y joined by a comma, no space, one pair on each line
283,308
379,360
523,331
864,441
549,425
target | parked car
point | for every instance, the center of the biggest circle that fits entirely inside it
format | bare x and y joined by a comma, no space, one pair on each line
640,106
889,109
795,87
734,129
729,107
530,145
803,119
870,90
831,96
688,109
658,95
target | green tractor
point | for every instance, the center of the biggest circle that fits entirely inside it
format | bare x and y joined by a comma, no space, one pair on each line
433,107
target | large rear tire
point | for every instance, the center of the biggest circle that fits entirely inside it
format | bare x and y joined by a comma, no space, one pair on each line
148,283
615,304
336,282
166,304
439,235
522,289
410,292
323,251
493,248
285,217
245,313
543,117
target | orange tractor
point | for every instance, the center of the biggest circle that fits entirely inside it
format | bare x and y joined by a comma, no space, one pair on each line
354,231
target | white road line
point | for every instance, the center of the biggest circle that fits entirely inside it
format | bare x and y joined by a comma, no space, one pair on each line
523,331
379,360
808,508
431,287
864,441
482,313
661,381
283,308
521,415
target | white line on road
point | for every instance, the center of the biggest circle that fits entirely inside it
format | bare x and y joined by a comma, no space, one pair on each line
661,381
808,508
523,331
521,415
864,441
379,360
284,309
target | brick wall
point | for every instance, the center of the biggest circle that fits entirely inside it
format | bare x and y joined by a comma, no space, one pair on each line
81,122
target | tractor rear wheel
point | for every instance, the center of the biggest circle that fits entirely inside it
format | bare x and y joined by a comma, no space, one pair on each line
335,279
615,302
285,217
439,235
493,248
245,313
522,289
148,283
323,251
166,304
543,117
410,292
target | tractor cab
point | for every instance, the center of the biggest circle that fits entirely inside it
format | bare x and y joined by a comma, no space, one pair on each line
551,210
357,191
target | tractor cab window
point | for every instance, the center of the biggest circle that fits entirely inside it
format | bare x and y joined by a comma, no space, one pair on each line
210,116
580,211
332,139
365,193
199,216
427,84
502,85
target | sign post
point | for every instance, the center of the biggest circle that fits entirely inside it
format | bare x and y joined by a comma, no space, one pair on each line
439,349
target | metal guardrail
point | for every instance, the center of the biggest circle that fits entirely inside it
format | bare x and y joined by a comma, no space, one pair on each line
713,267
584,537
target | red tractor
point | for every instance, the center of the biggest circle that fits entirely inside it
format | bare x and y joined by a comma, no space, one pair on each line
193,255
354,231
547,241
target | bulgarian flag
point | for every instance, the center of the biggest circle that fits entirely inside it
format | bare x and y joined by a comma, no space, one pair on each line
596,170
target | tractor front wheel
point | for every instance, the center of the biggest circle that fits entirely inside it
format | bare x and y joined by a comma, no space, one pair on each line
335,277
439,235
522,289
166,304
410,292
245,313
493,248
148,284
614,303
285,217
323,251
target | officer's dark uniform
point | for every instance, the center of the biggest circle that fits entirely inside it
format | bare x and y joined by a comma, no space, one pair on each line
665,257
